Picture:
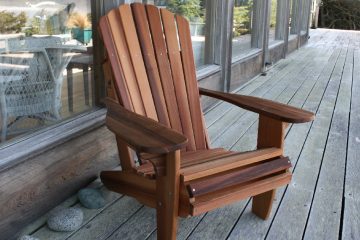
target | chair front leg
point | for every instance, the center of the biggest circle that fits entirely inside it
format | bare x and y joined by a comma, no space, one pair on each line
167,190
270,134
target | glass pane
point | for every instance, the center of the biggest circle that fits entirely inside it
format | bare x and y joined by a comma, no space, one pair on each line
293,15
194,11
45,63
273,26
304,20
242,26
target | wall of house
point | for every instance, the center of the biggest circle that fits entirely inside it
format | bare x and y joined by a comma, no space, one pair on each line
30,189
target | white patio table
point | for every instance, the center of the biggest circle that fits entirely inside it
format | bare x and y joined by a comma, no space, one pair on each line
31,76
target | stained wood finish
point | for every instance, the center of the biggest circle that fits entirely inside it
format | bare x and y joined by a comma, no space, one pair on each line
223,197
142,134
159,44
171,38
191,81
264,107
137,61
167,190
152,69
157,69
198,164
232,178
226,163
271,133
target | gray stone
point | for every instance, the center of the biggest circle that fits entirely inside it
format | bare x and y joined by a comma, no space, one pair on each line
91,198
65,220
27,237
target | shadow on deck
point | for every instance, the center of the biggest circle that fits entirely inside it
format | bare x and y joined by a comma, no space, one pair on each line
323,199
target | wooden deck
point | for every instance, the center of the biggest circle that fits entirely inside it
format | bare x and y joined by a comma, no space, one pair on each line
323,199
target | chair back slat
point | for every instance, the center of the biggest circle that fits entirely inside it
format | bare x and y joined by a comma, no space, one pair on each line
137,61
192,87
151,57
152,69
172,43
121,89
121,48
164,66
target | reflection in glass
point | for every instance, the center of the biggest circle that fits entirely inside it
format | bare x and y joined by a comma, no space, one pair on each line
194,11
242,26
45,57
273,12
293,17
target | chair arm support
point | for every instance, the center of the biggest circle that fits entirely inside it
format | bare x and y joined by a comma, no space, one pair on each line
271,109
141,133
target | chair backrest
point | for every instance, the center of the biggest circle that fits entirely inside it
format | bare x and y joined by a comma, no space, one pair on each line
153,67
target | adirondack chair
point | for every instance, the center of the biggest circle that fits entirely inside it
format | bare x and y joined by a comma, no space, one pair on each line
158,115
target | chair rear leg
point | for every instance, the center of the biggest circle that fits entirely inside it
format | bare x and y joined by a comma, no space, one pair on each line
262,204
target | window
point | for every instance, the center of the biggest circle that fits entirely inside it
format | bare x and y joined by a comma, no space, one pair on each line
46,61
294,15
306,4
194,11
242,27
273,22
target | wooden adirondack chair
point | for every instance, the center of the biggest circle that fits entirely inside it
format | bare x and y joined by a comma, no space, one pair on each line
160,118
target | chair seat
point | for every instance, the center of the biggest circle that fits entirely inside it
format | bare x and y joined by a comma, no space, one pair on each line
217,177
203,163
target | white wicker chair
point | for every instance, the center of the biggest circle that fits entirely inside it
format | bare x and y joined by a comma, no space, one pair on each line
31,79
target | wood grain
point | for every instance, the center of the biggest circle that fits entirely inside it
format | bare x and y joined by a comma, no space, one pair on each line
232,178
173,51
141,133
188,64
152,70
137,62
164,66
265,107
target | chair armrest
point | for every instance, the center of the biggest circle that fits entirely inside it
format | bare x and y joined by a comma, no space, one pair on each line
279,111
141,133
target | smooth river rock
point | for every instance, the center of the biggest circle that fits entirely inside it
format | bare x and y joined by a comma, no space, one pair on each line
91,198
27,237
65,220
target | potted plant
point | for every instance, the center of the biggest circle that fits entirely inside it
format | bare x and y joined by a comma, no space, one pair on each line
81,27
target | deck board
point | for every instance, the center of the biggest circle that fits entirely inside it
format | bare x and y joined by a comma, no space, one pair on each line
295,205
351,221
323,199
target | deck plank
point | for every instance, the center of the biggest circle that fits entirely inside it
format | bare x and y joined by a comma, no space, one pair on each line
351,229
296,202
273,83
108,221
325,214
249,225
45,233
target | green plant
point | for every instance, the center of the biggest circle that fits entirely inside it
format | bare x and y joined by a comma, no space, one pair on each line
242,18
191,9
78,20
12,23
